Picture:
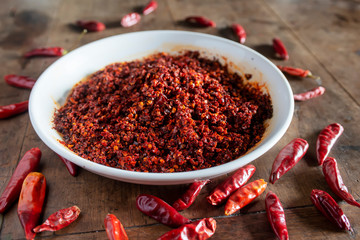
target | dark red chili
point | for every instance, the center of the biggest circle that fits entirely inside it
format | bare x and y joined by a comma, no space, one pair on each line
114,228
20,81
13,109
71,167
288,157
316,92
240,32
280,49
130,19
28,163
200,21
159,210
150,7
334,179
330,209
189,196
276,216
326,140
298,72
91,26
46,52
59,220
231,184
198,230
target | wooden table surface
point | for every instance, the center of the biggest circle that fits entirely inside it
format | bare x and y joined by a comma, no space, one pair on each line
320,35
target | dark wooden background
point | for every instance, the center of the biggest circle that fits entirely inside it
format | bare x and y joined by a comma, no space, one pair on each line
320,35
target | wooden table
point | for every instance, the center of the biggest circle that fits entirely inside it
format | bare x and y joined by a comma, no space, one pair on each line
320,35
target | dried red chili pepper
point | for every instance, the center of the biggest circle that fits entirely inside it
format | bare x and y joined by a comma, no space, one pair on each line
28,163
330,209
288,157
91,26
114,228
316,92
276,216
130,19
298,72
198,230
31,202
13,109
280,49
240,32
46,52
326,140
159,210
150,7
244,195
231,184
189,196
71,167
20,81
59,220
334,180
200,21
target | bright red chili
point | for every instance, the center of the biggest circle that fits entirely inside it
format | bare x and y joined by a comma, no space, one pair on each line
326,140
244,195
198,230
13,109
330,209
150,7
46,52
28,163
288,157
280,49
200,21
298,72
91,26
334,180
189,196
159,210
71,167
231,184
20,81
59,220
240,32
315,92
276,216
114,228
31,202
130,19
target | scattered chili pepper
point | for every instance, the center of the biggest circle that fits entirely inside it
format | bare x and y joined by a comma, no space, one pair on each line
159,210
150,7
276,216
326,140
316,92
189,196
240,32
198,230
288,157
130,19
71,167
20,81
13,109
91,26
334,180
28,163
31,202
280,49
46,52
231,184
330,209
114,228
200,21
59,220
298,72
244,195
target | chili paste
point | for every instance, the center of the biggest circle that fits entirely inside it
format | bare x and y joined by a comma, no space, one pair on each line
163,113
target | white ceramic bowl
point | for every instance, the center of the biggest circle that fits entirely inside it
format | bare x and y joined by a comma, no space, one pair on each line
56,81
